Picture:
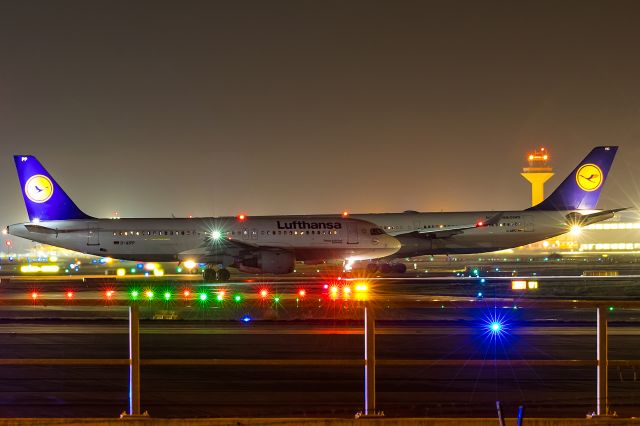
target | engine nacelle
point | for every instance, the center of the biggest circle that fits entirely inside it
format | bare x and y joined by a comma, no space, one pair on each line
268,262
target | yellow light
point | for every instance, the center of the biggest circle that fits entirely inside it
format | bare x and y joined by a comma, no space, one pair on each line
29,268
158,272
108,260
532,285
531,157
53,258
189,264
121,272
361,287
49,268
518,285
346,290
575,230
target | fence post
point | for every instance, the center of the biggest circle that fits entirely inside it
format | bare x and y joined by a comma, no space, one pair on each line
369,362
603,363
134,360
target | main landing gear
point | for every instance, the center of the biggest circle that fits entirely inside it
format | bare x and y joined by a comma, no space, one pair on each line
387,268
211,275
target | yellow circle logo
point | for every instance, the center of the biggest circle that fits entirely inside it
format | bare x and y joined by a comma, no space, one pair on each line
589,177
38,188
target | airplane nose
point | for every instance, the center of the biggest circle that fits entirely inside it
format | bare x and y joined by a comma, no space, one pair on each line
392,242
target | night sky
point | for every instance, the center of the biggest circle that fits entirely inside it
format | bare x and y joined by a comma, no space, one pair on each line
281,107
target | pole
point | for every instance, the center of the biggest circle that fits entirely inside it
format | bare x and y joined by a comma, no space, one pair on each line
603,363
134,360
370,362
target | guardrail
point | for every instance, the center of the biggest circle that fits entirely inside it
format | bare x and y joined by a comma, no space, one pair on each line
369,361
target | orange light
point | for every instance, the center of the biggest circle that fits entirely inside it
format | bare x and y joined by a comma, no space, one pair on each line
346,290
242,217
69,295
334,289
34,295
481,223
264,293
531,157
109,294
345,213
186,293
302,293
546,157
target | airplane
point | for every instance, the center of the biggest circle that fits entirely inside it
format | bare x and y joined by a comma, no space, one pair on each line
260,244
571,206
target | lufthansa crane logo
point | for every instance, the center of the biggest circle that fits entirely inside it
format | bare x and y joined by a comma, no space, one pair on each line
589,177
38,188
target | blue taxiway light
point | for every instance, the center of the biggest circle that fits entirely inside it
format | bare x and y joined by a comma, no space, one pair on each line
245,319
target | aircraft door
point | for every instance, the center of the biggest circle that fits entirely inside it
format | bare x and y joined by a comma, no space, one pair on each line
352,233
93,235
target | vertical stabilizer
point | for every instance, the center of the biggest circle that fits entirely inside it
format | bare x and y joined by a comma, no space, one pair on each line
43,197
581,189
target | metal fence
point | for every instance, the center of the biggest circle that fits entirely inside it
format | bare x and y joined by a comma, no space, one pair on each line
369,361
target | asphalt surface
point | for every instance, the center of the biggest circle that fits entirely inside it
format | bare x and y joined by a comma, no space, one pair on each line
317,326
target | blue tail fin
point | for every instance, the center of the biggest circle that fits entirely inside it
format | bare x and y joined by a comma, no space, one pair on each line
44,198
581,189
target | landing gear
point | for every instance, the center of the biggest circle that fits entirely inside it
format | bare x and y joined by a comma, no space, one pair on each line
224,274
211,275
387,268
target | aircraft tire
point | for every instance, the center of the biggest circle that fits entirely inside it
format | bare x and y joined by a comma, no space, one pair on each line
385,268
399,268
209,275
372,268
224,274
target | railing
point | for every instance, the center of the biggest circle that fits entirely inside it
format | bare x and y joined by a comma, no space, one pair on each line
602,361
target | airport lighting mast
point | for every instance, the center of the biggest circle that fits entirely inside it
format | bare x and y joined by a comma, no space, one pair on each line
537,173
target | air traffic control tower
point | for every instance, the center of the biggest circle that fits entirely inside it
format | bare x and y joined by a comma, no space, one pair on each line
537,173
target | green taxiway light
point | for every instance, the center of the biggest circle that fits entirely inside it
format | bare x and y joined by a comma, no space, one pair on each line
203,296
167,295
134,294
237,298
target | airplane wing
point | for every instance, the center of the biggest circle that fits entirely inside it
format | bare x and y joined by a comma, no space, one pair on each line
449,231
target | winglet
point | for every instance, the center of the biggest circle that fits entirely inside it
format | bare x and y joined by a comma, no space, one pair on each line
581,189
43,197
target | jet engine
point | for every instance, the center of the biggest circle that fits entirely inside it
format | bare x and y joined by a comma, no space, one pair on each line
268,262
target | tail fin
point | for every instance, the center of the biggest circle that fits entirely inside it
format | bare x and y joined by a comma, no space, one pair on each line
581,189
44,198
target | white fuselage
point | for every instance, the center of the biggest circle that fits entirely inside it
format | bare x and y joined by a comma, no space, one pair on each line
514,229
309,238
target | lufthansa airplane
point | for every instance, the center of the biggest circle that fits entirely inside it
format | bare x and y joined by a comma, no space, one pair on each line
261,244
571,205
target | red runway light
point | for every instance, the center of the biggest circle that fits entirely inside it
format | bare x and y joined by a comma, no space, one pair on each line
69,295
345,213
186,293
480,224
242,217
34,295
264,294
302,293
109,294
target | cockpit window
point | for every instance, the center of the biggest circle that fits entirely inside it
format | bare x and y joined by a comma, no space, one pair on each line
376,231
